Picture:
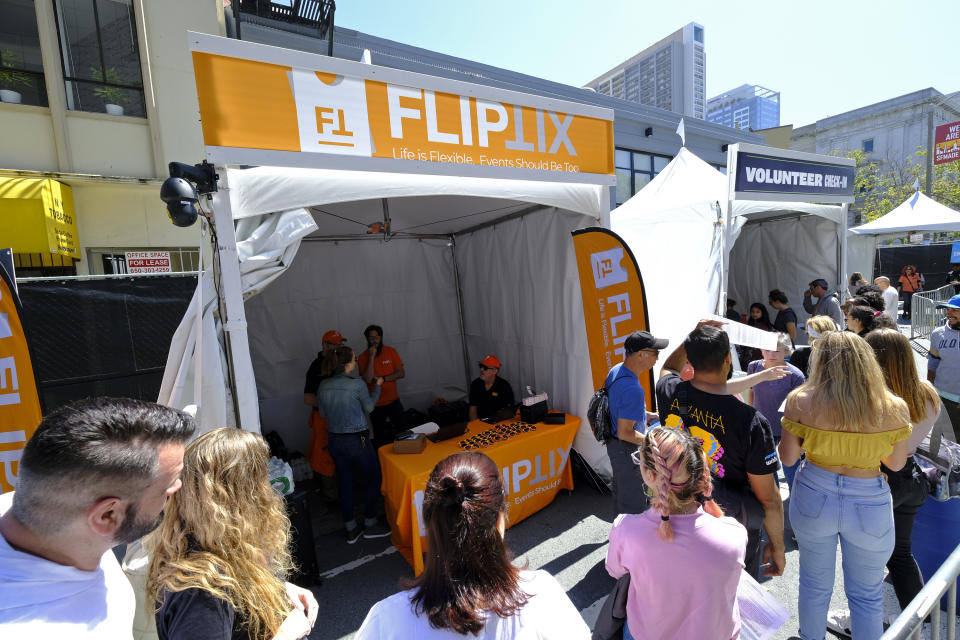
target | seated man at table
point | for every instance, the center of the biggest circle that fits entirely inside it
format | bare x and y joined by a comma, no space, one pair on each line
489,393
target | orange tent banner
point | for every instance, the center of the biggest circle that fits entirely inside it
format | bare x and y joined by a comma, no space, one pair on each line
296,109
19,402
614,304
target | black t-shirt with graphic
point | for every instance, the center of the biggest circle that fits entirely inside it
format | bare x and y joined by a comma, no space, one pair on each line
488,402
735,436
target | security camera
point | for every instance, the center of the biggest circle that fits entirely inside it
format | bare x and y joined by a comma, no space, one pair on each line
180,194
181,199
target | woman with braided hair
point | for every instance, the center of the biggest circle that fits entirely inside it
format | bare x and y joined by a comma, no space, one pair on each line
469,587
683,556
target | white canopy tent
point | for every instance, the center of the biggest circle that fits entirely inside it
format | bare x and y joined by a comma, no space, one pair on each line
473,266
916,213
685,241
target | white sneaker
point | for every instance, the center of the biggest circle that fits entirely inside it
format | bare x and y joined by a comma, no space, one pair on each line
838,621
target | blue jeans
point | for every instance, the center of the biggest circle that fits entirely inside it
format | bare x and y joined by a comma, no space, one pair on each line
825,506
353,452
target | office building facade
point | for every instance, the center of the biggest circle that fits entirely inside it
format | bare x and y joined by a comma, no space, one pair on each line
670,75
748,107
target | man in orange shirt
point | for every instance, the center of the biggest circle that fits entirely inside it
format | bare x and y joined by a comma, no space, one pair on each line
381,361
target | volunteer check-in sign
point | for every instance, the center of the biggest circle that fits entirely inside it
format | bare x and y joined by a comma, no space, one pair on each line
19,403
614,304
273,106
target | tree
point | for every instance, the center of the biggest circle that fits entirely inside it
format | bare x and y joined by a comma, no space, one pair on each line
880,187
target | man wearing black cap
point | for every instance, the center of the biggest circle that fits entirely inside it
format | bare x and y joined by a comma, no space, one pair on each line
828,302
628,418
735,436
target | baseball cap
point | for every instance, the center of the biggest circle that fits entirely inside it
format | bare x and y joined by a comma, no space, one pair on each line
820,282
952,303
491,360
643,340
334,336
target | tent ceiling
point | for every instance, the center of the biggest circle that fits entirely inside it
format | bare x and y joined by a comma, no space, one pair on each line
416,215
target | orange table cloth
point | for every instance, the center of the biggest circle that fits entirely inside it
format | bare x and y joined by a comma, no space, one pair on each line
534,467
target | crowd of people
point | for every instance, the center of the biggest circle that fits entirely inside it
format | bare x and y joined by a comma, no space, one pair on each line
346,391
695,486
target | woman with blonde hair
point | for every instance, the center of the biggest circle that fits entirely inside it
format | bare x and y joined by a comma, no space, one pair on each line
908,486
219,559
816,327
847,422
682,555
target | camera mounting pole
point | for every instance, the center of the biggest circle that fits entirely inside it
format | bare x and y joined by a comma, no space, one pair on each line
226,269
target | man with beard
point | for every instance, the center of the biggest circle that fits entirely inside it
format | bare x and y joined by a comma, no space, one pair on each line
94,475
381,361
943,361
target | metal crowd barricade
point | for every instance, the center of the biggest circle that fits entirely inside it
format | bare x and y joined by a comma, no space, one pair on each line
924,315
909,624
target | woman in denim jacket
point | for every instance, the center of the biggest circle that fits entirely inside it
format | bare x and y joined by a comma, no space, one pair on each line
345,402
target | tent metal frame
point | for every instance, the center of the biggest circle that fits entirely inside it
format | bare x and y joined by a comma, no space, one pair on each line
451,238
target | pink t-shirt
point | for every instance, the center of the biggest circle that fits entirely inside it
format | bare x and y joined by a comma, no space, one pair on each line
685,589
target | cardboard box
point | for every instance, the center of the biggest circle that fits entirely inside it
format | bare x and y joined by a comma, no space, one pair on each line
414,445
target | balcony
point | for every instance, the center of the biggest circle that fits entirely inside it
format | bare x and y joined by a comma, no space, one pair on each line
309,13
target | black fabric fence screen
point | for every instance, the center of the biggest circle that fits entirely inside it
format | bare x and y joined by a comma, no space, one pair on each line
932,260
102,337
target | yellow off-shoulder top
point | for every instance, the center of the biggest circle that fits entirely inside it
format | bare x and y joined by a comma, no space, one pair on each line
846,448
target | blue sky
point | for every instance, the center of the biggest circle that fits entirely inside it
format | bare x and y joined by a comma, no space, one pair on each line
824,57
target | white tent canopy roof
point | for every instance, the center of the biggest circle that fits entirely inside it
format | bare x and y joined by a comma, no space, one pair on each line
916,213
456,203
671,227
681,190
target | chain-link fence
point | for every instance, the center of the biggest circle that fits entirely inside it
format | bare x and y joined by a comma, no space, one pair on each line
109,336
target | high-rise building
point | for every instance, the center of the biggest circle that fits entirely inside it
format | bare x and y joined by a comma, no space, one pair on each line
749,106
671,75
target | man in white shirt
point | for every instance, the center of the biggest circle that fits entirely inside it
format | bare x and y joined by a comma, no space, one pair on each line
96,474
943,361
891,299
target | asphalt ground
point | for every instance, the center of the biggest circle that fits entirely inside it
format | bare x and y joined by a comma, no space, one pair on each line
569,539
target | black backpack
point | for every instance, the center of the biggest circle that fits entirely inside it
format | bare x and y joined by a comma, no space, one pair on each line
598,414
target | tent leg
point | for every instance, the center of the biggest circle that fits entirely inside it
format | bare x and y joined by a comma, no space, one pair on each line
463,332
842,245
227,270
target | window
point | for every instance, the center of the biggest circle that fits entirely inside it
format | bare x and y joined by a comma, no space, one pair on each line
698,34
100,55
868,146
634,170
21,65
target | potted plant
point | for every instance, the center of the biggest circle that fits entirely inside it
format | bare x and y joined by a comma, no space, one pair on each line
11,78
113,97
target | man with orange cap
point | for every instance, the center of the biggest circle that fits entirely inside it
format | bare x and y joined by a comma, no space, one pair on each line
489,393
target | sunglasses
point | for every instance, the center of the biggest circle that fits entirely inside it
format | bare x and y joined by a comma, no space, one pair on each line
484,367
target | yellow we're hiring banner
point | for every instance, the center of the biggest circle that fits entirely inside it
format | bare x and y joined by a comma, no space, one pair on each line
614,305
19,403
262,105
